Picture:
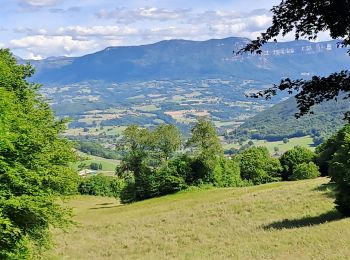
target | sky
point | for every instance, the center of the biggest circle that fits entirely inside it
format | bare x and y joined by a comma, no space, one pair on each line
36,29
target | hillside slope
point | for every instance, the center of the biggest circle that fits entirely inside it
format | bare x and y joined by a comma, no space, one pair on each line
279,121
294,220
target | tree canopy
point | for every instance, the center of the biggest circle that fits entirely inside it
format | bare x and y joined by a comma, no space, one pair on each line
34,162
306,19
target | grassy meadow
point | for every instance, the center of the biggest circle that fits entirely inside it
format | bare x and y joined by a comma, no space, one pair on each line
305,141
292,220
108,165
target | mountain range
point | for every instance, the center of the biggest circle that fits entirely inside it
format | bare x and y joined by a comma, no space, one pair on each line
182,59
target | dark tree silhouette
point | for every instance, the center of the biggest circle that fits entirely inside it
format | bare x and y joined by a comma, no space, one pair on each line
306,19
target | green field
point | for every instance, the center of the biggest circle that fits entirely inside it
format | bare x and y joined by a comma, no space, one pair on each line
293,220
108,165
305,141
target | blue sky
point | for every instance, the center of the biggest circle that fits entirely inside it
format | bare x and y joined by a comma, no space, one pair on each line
42,28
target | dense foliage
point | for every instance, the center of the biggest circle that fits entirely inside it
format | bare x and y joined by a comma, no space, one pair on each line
100,185
326,150
257,166
305,171
154,166
33,164
207,151
149,172
294,157
333,159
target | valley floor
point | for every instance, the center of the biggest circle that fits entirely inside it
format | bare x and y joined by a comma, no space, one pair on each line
293,220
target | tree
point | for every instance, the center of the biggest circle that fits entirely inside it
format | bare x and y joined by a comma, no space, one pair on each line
292,158
308,19
227,173
34,160
146,158
136,144
167,140
258,166
208,150
305,171
327,149
205,139
339,170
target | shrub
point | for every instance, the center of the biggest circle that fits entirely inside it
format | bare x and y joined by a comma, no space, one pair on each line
258,166
305,171
227,173
94,166
290,159
100,185
169,181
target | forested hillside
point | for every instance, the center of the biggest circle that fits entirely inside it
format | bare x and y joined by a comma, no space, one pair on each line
279,122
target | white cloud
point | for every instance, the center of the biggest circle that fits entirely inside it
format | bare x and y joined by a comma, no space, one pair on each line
32,56
96,31
45,46
122,15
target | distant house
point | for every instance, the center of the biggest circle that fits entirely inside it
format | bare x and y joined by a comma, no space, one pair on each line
86,172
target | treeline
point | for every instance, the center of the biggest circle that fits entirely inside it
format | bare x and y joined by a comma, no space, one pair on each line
157,162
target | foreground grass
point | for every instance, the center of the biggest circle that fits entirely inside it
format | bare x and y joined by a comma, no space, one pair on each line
294,220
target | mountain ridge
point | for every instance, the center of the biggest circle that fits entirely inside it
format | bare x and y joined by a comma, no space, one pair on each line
184,59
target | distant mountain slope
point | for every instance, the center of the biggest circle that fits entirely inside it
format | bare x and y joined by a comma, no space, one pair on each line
279,122
180,59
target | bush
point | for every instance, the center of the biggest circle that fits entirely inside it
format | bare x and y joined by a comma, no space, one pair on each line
100,185
227,173
169,181
94,166
292,158
305,171
258,166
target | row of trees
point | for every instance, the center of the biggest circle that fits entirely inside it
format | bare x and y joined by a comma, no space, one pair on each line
156,162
